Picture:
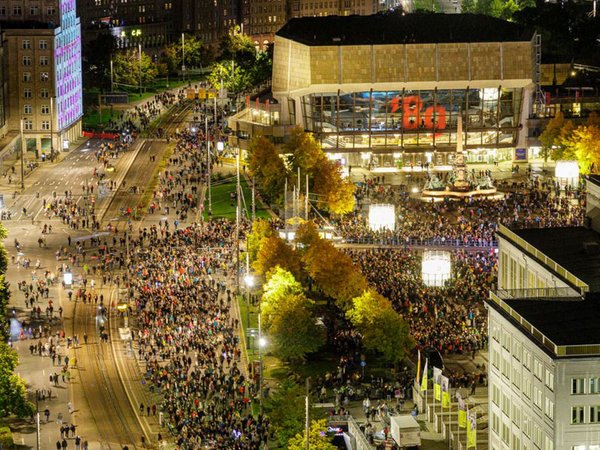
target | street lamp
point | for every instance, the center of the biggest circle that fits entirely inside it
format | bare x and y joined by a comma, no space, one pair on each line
23,147
183,56
140,56
262,342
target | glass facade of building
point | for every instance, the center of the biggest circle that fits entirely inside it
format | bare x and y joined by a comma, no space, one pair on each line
414,121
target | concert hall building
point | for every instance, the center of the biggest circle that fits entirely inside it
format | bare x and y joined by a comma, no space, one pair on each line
386,90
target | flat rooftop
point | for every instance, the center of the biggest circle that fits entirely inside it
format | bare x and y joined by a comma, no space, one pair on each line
570,247
388,28
568,322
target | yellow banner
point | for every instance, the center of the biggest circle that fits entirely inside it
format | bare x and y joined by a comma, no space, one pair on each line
424,378
445,399
472,432
437,392
462,418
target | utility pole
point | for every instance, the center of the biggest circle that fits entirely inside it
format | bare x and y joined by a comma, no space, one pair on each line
237,224
183,56
208,164
23,148
140,57
253,201
112,73
306,200
52,128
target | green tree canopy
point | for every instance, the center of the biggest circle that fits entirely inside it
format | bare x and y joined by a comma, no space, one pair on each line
285,408
288,317
13,393
196,54
318,438
267,167
261,229
238,47
127,68
274,252
584,143
383,329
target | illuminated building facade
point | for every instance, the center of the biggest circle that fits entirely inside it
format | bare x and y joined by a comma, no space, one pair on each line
44,83
386,90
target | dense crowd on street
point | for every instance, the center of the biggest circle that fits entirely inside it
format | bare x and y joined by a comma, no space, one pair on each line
188,339
471,222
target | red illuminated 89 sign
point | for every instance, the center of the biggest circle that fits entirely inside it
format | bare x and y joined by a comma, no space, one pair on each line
414,117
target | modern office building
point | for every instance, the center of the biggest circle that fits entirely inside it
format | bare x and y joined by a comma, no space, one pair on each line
43,52
544,346
386,89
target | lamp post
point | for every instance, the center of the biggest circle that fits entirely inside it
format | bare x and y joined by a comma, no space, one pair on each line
140,56
183,56
23,148
208,165
112,73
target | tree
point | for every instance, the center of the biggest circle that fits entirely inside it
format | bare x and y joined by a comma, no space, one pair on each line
383,329
334,273
195,53
267,167
239,48
274,252
127,68
4,300
335,192
285,408
318,438
550,136
13,393
288,317
303,150
227,75
584,142
469,6
261,229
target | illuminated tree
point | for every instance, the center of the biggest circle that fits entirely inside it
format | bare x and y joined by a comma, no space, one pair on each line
383,329
318,439
584,143
195,53
267,167
288,317
13,393
303,151
551,134
285,408
335,192
127,68
273,252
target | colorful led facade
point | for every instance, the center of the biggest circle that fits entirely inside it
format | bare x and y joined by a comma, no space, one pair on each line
67,57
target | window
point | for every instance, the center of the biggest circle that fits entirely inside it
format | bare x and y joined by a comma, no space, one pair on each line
44,76
548,443
43,60
496,394
577,386
495,358
505,433
495,422
595,414
526,425
527,387
27,109
516,350
45,109
577,414
17,11
26,60
516,378
27,93
44,93
505,404
33,11
45,124
2,10
578,447
516,415
538,368
51,10
26,76
594,385
26,44
516,442
549,408
28,124
43,44
537,436
537,397
549,380
527,359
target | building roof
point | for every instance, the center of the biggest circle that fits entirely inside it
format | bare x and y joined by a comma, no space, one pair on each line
573,322
378,29
576,249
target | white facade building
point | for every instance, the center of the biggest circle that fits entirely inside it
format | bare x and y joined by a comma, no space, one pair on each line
544,345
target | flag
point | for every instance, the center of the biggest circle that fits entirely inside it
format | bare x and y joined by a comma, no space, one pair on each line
462,411
472,430
445,392
424,377
418,359
437,387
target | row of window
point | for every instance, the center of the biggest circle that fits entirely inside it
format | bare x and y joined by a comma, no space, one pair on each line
28,93
513,440
585,414
585,385
28,125
42,44
27,77
44,60
586,447
28,109
17,10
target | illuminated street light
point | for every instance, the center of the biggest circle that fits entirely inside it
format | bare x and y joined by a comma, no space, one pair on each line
249,280
567,173
262,342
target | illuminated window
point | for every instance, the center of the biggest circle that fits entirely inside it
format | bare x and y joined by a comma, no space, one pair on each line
44,76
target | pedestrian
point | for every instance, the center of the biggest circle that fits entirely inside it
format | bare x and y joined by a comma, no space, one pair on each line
70,407
64,444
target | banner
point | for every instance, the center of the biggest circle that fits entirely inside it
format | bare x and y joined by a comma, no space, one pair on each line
445,392
472,430
418,365
437,384
462,411
424,377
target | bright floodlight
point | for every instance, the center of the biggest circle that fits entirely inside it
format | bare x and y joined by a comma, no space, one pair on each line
68,278
567,173
435,268
382,217
249,280
220,146
262,341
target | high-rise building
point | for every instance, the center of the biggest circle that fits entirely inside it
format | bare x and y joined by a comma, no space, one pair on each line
544,347
43,50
